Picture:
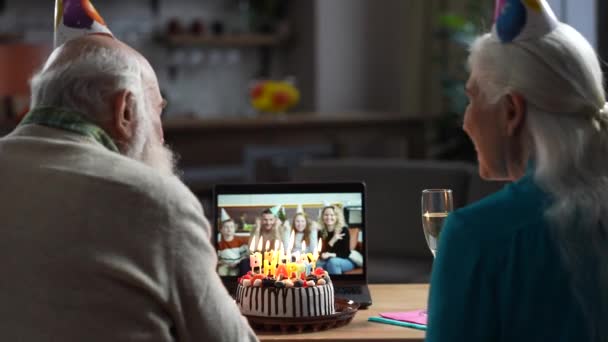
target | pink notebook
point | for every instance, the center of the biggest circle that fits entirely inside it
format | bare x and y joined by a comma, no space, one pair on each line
416,316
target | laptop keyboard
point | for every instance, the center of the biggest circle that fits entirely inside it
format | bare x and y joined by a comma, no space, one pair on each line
348,290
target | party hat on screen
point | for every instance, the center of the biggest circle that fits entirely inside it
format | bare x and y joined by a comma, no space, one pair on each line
225,217
275,210
77,18
300,209
518,20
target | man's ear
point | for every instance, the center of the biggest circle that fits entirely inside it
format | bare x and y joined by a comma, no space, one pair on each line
515,114
123,115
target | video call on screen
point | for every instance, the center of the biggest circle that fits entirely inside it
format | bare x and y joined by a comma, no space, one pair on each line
280,218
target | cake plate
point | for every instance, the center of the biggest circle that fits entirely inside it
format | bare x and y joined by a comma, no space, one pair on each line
345,311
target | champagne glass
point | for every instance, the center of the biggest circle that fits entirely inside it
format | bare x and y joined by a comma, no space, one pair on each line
436,205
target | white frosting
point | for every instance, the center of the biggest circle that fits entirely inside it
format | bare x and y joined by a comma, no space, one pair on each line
286,302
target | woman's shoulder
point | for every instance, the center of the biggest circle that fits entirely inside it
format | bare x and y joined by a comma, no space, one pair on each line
515,207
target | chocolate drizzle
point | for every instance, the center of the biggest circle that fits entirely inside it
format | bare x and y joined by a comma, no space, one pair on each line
276,301
269,306
315,292
301,304
293,304
250,298
312,302
256,295
263,296
327,303
284,294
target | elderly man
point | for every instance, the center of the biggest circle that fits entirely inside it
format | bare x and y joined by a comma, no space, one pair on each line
99,240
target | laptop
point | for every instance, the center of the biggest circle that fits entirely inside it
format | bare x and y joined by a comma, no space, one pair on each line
245,204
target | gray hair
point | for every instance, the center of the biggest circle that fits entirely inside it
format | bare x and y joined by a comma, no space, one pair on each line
88,81
560,77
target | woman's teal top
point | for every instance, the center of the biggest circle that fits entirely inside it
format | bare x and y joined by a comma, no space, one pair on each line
498,276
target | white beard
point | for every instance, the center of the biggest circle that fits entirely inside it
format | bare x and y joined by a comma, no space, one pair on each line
159,157
147,148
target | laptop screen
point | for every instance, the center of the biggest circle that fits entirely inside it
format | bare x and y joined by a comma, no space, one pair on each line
326,221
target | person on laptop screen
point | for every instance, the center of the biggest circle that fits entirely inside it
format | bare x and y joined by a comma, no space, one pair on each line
336,241
269,227
305,230
232,250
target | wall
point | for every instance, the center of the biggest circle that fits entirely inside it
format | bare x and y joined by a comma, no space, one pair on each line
380,55
346,55
360,55
580,14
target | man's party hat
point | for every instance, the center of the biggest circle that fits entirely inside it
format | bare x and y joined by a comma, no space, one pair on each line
225,217
518,20
275,210
77,18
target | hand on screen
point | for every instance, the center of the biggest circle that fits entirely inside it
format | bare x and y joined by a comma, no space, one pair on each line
327,255
335,238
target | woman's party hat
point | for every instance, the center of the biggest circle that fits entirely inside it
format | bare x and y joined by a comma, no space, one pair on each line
77,18
518,20
300,209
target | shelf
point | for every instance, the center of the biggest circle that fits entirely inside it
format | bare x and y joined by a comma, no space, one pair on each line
10,37
227,40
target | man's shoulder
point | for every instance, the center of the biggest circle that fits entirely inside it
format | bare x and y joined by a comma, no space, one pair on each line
138,177
74,159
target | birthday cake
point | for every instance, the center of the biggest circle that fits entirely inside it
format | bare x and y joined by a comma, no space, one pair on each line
309,295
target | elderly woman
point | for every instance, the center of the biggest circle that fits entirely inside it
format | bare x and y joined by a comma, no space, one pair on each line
530,263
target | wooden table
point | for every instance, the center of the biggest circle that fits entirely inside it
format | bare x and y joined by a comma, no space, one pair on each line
385,298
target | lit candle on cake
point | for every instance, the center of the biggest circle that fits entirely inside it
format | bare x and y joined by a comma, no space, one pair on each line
255,259
270,258
275,254
301,268
315,256
292,268
281,272
283,258
267,256
292,241
303,264
308,258
268,268
308,268
267,253
291,257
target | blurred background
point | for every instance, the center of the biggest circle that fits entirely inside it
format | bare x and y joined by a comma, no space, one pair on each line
279,90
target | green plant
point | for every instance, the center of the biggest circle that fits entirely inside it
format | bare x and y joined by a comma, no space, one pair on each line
266,14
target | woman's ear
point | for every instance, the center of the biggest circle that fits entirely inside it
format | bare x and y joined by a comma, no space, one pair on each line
123,115
515,114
